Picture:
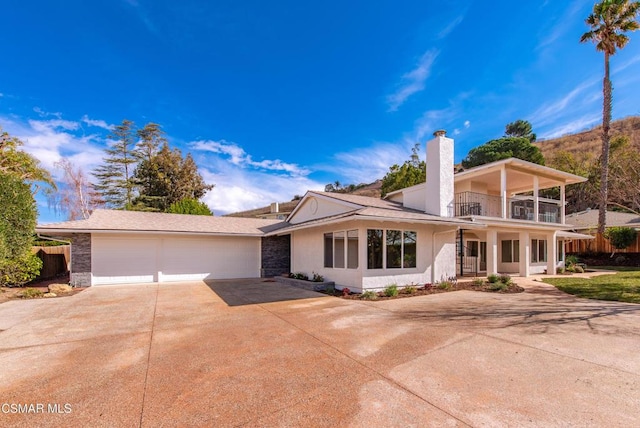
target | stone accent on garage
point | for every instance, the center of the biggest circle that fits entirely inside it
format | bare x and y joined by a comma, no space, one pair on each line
276,256
80,260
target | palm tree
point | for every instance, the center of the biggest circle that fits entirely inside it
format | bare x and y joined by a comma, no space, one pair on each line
608,23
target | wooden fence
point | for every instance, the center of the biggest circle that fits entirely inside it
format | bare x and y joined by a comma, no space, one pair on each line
55,260
598,245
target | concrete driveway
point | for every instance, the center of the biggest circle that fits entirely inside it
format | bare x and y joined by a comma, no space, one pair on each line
253,353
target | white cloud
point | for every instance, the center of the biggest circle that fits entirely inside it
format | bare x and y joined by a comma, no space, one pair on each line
366,164
50,140
413,81
564,23
97,123
548,113
573,126
449,28
239,157
238,189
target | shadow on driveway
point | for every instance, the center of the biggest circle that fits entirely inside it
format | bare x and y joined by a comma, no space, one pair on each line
238,292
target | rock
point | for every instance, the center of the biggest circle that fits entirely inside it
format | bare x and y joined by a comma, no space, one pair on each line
49,295
60,288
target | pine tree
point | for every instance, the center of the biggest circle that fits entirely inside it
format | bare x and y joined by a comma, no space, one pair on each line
152,137
115,177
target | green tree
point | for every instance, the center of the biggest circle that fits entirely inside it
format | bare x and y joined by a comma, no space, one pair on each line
189,206
520,128
167,178
115,176
17,223
410,173
20,164
503,148
620,237
608,24
579,196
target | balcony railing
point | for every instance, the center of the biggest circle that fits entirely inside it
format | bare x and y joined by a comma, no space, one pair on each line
521,208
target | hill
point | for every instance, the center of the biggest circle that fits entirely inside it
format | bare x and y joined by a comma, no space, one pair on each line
591,140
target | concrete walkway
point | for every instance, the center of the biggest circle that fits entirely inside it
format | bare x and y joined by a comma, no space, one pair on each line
253,353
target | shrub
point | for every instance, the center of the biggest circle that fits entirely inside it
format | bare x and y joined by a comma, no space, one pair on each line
330,289
493,278
300,275
445,285
31,293
477,282
391,291
578,269
17,271
621,237
410,289
317,277
620,260
369,295
189,206
498,286
570,260
571,269
505,279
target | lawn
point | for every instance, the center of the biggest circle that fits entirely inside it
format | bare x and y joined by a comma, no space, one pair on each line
624,286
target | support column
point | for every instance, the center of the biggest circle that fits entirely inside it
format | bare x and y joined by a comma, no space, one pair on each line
525,254
536,202
562,204
503,191
552,253
492,252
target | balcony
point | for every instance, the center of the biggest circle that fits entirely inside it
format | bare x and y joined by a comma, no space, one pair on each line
467,204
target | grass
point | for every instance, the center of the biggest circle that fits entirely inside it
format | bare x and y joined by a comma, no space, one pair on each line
624,286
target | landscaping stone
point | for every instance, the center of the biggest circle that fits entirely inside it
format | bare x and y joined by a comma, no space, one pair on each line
49,295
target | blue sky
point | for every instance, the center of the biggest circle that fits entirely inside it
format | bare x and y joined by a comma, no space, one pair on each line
275,98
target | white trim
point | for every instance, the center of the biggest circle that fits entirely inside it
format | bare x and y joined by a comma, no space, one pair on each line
320,196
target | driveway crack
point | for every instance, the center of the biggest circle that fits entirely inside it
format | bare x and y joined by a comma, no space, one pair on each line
146,373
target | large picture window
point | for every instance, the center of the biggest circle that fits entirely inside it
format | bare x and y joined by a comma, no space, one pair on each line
510,251
538,250
398,247
374,248
341,249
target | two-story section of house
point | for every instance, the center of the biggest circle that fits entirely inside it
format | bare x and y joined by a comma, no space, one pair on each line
522,205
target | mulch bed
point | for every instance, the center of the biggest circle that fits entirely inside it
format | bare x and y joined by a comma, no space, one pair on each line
41,285
430,289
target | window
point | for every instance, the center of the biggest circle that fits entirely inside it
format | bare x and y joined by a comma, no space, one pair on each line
398,247
409,253
538,250
328,250
394,248
472,248
340,248
374,249
510,251
352,249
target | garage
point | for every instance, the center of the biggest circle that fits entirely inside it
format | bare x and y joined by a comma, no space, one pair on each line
125,247
140,259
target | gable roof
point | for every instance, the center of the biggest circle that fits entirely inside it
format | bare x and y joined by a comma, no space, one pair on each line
354,202
105,221
589,219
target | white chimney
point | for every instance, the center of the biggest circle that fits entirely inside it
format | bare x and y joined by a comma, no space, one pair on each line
439,186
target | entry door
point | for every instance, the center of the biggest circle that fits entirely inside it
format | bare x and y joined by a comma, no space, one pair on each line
483,255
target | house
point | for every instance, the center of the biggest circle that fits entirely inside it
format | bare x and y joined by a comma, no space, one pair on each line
586,222
276,210
484,220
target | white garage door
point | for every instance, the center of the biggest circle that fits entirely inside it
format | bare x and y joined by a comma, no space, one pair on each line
212,258
118,261
130,259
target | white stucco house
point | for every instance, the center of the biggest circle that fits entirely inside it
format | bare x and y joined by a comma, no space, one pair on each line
485,220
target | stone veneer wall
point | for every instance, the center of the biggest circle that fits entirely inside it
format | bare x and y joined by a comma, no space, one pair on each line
80,260
276,256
